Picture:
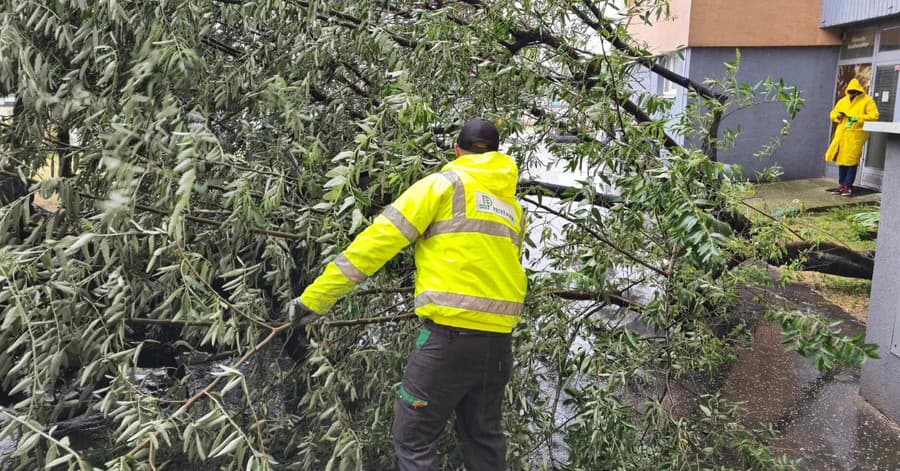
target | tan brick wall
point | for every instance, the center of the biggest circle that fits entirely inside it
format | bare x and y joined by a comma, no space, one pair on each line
737,23
729,23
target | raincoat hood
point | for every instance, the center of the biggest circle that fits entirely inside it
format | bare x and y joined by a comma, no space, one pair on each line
855,85
495,170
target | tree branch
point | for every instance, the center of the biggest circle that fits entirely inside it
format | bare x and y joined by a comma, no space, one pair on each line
371,320
613,298
605,28
830,258
274,332
539,188
201,220
823,257
602,238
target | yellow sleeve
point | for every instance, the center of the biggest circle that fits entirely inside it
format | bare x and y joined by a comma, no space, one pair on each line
870,111
838,107
399,225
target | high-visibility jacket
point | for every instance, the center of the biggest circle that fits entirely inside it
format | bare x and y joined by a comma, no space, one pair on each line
849,138
468,229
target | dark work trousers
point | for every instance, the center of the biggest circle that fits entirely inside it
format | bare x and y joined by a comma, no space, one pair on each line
846,175
453,370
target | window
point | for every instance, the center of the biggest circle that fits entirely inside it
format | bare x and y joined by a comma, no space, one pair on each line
858,44
668,88
890,39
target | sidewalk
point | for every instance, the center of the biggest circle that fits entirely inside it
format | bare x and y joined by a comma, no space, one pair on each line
821,418
806,195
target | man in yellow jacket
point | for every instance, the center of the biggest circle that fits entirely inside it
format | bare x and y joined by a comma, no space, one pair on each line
850,112
470,287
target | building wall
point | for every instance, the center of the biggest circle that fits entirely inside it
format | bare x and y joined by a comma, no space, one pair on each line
730,23
643,81
842,12
812,70
737,23
880,380
665,35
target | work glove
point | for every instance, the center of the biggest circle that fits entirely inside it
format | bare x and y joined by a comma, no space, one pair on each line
851,121
299,315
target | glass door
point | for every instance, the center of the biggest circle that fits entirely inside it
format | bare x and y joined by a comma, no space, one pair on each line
884,92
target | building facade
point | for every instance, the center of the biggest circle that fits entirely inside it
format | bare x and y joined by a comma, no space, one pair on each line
818,48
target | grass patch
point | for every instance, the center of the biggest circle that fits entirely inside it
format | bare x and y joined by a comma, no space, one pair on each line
851,225
851,294
838,225
833,225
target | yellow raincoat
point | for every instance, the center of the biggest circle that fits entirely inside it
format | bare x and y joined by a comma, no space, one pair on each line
849,138
468,229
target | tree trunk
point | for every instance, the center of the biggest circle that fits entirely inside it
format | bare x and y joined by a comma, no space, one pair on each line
66,167
830,258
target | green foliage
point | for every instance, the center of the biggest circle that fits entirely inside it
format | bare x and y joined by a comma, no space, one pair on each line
810,335
855,226
865,224
224,152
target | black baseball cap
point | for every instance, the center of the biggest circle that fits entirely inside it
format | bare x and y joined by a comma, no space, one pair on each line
479,135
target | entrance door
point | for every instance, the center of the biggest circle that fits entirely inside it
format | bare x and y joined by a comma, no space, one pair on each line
885,95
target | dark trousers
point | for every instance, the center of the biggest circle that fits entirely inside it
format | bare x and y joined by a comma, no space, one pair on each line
847,175
453,370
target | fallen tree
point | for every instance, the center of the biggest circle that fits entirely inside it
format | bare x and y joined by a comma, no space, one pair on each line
218,154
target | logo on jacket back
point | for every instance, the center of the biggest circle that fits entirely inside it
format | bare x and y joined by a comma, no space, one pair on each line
486,203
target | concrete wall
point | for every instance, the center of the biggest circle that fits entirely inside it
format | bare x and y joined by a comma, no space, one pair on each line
812,70
880,381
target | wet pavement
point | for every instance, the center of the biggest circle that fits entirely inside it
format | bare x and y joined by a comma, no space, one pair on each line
821,419
837,429
805,195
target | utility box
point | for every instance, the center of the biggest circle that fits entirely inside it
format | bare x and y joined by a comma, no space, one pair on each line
880,380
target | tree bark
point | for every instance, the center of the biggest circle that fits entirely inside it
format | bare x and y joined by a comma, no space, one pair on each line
830,258
66,165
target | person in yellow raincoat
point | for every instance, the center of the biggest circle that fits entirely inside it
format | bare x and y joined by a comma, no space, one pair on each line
850,112
468,230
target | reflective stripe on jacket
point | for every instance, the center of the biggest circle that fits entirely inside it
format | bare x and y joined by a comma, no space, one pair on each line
468,230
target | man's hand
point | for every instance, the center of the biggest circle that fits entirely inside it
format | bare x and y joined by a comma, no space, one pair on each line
299,315
842,115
